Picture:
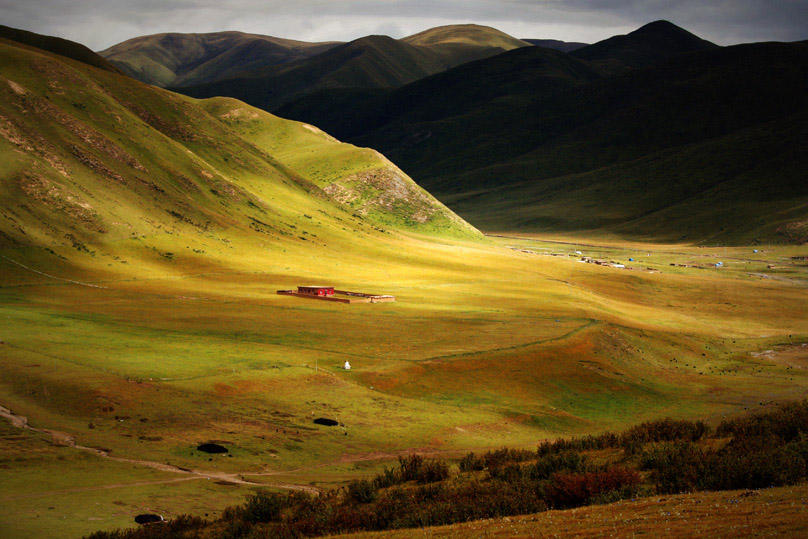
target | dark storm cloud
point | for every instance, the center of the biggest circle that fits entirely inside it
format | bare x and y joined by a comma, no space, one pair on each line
99,23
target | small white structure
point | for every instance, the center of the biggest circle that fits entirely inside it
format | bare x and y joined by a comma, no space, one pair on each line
347,366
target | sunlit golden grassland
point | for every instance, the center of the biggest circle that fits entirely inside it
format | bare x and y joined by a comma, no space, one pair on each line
485,346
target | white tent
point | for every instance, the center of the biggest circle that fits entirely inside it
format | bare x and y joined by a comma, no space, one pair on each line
347,366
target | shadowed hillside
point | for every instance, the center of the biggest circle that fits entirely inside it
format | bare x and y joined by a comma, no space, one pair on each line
371,62
702,146
642,47
563,46
368,62
472,91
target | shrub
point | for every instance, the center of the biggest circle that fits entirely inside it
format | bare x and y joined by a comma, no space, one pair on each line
410,467
505,455
508,473
786,422
755,462
576,489
676,466
601,441
387,478
362,491
433,470
417,468
662,430
263,506
566,461
471,462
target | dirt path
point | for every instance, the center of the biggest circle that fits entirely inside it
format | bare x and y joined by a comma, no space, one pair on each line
61,438
49,275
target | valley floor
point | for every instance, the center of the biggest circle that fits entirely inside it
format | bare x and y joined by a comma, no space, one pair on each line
508,341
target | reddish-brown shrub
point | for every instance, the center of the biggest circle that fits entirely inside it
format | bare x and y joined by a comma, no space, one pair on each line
575,489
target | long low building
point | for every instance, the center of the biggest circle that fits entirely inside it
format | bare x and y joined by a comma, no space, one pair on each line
328,293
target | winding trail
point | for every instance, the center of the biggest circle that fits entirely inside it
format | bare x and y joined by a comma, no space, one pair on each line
49,275
62,438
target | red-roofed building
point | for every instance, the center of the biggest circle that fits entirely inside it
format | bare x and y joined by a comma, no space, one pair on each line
316,290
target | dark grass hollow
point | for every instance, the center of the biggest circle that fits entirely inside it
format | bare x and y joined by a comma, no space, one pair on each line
326,422
148,518
212,448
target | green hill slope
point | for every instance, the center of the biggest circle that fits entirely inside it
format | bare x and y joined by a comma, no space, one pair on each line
173,59
93,158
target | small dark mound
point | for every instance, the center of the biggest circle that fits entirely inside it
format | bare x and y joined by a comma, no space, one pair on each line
326,422
212,448
148,518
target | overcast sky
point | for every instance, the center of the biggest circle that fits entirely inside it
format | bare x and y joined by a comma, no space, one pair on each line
101,23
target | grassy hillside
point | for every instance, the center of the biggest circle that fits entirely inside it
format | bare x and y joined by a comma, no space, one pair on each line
159,156
175,59
461,43
730,514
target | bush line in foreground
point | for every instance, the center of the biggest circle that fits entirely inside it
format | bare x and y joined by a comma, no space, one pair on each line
665,456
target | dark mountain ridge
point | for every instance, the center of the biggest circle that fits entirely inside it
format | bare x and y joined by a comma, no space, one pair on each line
645,46
563,46
371,62
57,45
368,62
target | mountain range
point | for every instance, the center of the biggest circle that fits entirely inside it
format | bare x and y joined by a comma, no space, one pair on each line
269,72
657,134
